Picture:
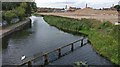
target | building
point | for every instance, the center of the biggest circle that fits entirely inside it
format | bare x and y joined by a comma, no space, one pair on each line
50,10
111,8
71,9
58,10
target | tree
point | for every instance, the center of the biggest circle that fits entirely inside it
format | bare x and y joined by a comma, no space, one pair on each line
8,15
20,12
34,7
24,5
117,7
31,6
9,5
21,9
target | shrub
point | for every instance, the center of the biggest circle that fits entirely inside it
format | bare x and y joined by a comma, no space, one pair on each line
115,32
8,15
20,12
105,24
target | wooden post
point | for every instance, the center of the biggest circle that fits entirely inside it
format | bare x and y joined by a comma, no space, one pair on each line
72,47
82,42
29,64
59,52
45,59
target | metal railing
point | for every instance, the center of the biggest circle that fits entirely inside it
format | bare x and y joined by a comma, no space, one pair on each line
45,57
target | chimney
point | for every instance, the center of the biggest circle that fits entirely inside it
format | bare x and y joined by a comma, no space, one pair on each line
113,5
66,7
86,5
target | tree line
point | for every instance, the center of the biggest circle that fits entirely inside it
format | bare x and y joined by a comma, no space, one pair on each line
19,10
117,7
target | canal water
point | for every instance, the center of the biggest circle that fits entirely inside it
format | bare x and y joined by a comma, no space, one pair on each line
40,38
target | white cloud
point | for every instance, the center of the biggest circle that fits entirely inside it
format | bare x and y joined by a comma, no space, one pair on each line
77,3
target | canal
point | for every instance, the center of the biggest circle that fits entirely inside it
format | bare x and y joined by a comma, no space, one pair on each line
40,38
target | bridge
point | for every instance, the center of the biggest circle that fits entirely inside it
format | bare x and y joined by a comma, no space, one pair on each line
57,53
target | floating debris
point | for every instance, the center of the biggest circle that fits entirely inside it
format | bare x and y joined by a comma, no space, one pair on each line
23,57
81,63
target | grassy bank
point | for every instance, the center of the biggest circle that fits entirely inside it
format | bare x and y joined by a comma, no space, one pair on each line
103,35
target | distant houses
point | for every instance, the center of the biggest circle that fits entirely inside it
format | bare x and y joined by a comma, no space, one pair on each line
50,10
111,8
70,9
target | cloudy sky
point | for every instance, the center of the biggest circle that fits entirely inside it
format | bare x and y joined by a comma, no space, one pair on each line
76,3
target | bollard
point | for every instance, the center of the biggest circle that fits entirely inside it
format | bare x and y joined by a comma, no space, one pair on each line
45,59
72,47
29,64
59,52
81,42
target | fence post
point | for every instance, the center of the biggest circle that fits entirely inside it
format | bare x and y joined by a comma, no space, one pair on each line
59,52
72,47
45,59
29,64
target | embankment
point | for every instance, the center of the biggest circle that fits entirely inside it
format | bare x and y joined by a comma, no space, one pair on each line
15,27
104,36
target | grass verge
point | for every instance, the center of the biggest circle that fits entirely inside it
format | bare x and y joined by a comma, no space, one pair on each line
104,36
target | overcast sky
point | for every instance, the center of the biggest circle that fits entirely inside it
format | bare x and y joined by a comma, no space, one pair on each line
76,3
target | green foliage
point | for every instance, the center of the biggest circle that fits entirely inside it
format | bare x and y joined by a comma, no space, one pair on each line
17,10
20,12
28,6
117,7
105,45
73,23
34,7
115,32
9,15
105,25
23,5
9,5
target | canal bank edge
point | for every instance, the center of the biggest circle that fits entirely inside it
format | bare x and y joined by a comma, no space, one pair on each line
15,27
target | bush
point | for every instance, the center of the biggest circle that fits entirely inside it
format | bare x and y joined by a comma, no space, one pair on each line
20,12
73,23
105,24
8,15
115,32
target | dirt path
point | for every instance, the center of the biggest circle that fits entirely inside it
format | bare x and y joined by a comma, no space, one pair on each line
102,15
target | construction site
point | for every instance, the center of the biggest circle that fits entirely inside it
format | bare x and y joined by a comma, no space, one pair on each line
104,14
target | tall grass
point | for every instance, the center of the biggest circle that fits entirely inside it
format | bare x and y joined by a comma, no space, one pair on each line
104,36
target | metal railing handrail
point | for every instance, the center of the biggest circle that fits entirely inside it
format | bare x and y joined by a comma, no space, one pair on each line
45,55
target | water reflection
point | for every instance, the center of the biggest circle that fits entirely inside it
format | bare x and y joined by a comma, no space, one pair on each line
5,42
21,34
